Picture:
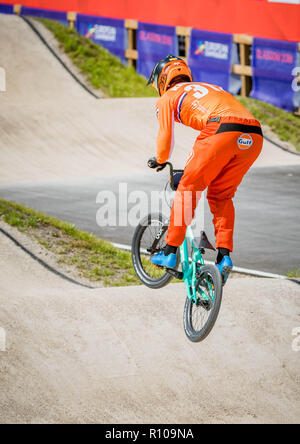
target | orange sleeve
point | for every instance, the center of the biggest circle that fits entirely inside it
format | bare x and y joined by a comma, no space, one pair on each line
165,137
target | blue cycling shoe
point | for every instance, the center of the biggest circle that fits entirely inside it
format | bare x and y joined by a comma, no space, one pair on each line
225,268
164,261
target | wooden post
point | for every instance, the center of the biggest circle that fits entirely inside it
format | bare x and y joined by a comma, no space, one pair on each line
130,44
245,61
244,69
17,9
131,52
72,17
187,45
186,32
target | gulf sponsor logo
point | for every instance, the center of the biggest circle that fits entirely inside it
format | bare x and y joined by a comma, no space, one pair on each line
245,141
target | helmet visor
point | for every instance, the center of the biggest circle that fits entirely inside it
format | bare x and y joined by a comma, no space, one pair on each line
154,75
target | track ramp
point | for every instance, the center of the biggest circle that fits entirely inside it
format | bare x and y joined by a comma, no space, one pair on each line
52,128
120,355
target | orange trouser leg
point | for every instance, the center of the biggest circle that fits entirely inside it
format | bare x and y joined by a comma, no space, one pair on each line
209,156
223,188
209,166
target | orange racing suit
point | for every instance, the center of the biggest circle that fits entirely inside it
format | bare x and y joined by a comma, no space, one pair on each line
229,142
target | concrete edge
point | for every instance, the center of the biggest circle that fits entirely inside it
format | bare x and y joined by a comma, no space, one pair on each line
41,262
287,150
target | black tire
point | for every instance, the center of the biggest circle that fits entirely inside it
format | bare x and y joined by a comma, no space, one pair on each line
150,276
209,276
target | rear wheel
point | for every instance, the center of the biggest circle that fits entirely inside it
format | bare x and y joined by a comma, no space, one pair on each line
200,316
149,238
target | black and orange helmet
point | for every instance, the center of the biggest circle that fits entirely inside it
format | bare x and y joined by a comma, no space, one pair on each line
166,70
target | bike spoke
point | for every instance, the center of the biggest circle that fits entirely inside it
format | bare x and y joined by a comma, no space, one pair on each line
146,243
201,310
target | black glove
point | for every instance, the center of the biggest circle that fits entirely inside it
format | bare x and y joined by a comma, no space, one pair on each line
152,163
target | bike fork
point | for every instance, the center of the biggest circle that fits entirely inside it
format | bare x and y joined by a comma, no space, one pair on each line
189,271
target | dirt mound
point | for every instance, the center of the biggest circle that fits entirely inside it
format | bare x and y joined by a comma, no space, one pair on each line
120,354
52,128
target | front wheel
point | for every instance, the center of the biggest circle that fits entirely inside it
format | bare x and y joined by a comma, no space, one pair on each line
200,316
149,238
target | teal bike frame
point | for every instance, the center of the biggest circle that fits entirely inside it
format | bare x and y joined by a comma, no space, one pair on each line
191,268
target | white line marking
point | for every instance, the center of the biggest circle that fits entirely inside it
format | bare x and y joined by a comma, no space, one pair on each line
235,269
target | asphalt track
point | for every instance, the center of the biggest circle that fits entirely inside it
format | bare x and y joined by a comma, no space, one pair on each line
120,354
267,234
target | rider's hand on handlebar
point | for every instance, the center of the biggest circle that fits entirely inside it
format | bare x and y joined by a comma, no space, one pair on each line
152,163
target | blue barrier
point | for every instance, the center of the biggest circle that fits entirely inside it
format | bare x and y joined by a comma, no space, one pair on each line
110,33
154,42
210,57
45,13
6,9
273,62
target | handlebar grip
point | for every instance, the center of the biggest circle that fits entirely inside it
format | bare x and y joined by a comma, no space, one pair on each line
152,163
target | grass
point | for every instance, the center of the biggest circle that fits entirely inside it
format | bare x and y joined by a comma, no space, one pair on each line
107,73
103,70
285,125
91,258
294,273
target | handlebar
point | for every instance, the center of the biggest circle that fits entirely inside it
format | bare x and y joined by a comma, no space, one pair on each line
175,175
152,163
171,167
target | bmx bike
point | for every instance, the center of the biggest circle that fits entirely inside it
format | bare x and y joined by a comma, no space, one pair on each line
203,282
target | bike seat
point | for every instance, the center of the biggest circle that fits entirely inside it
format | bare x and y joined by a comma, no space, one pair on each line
204,242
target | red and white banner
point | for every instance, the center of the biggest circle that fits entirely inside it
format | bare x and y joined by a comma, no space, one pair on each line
275,19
